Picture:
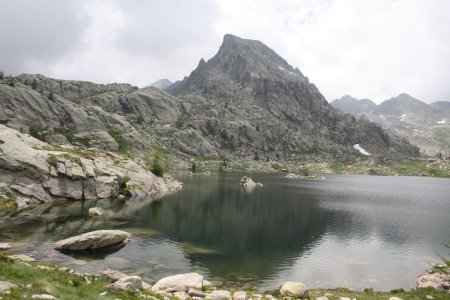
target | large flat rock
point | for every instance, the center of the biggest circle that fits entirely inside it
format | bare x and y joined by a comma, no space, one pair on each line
94,240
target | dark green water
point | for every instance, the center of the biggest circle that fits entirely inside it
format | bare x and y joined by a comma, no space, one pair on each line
349,231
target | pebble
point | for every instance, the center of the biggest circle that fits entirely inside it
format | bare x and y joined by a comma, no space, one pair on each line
322,298
430,297
395,298
5,246
103,294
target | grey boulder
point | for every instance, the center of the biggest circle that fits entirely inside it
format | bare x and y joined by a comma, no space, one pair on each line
94,240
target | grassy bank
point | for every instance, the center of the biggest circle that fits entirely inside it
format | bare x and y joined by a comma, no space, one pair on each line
35,278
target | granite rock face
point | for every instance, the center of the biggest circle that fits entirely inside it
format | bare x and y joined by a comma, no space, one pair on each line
37,172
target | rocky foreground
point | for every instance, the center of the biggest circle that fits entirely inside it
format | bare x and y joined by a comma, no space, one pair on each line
53,282
33,172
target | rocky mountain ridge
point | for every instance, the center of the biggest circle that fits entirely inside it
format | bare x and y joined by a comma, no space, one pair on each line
246,102
425,125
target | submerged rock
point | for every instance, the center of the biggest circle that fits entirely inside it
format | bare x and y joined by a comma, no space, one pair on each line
180,282
292,288
94,240
96,211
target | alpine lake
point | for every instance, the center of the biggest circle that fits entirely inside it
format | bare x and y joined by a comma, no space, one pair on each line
346,231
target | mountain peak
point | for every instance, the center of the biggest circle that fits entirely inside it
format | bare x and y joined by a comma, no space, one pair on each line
239,61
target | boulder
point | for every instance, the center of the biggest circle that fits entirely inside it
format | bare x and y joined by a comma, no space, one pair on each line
5,246
193,292
219,295
127,283
292,288
240,295
94,240
180,282
6,286
247,182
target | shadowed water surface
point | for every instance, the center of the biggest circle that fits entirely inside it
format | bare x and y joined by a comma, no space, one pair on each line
349,231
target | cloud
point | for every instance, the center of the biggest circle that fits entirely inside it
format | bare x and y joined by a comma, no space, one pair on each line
35,34
374,49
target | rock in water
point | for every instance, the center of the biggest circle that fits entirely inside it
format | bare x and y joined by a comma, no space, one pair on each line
291,288
94,240
96,211
180,282
248,183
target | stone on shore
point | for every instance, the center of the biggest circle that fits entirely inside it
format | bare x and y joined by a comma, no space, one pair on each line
292,288
219,295
43,296
193,292
94,240
124,284
22,257
5,246
96,211
180,282
434,279
6,286
240,295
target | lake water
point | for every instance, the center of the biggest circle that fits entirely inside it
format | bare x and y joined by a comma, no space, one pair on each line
348,231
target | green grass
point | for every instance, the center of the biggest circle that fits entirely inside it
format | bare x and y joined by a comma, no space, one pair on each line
88,154
59,284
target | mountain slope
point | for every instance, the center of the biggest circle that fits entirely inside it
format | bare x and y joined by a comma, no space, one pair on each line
247,84
246,102
354,106
425,125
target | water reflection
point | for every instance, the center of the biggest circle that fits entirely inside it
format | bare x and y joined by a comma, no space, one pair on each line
351,231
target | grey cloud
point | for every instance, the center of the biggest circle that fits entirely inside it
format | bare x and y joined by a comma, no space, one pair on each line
37,32
161,28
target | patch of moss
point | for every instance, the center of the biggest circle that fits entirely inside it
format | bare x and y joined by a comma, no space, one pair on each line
117,135
7,199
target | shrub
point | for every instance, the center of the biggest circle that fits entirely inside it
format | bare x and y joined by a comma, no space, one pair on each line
156,162
117,136
34,84
193,167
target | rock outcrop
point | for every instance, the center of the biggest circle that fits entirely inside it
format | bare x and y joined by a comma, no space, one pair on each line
38,172
437,277
94,240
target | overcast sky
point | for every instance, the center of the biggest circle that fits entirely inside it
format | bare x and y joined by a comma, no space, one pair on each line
369,49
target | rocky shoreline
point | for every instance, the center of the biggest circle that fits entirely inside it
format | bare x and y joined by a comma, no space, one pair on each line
434,283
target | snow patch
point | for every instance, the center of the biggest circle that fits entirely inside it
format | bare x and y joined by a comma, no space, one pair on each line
383,117
360,149
402,117
441,122
281,68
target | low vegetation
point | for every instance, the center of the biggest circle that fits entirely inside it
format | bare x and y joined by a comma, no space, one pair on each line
7,199
117,135
156,162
